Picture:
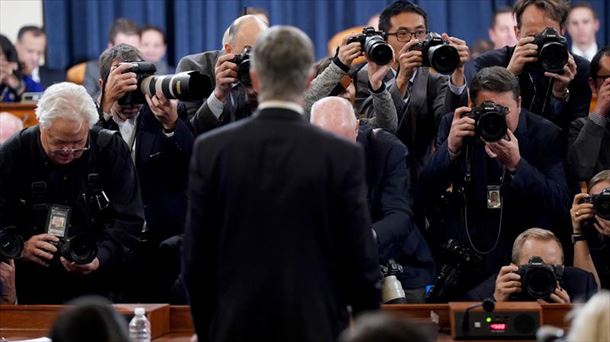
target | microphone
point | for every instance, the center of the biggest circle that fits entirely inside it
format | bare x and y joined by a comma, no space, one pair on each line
488,305
549,333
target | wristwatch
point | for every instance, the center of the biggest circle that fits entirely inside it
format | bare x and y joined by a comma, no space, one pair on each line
565,97
578,237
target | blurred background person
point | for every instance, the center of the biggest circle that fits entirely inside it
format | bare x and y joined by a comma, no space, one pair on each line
12,81
31,47
583,24
591,322
502,29
153,47
384,327
9,125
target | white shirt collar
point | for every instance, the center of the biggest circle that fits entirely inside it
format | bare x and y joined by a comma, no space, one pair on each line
36,74
293,106
587,54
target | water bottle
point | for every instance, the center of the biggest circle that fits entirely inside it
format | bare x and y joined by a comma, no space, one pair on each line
139,327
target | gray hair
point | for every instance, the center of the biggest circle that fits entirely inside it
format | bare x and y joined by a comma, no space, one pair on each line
68,101
591,322
602,176
282,58
532,234
334,109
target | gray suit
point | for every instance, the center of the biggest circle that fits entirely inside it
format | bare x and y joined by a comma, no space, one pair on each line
200,115
92,75
418,118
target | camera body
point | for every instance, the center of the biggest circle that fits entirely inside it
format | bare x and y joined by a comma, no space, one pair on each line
373,43
11,243
243,66
392,291
601,203
438,54
539,280
184,86
80,248
490,121
552,50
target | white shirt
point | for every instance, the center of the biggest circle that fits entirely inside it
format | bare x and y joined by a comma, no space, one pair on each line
127,128
36,75
588,54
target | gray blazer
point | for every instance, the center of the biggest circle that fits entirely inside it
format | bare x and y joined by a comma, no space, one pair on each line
418,119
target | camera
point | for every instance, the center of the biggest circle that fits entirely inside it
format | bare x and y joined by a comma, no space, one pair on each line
552,50
11,243
374,45
538,280
392,291
601,203
490,121
184,86
80,248
243,66
460,271
438,54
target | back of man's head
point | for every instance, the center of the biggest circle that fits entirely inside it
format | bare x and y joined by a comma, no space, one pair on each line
118,53
336,115
396,8
33,30
281,62
382,327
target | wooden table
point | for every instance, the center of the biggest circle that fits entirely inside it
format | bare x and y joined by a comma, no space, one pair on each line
173,323
24,110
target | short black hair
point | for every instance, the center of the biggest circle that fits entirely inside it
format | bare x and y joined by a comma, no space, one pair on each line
594,66
584,4
397,7
556,9
34,30
495,79
153,28
499,11
121,53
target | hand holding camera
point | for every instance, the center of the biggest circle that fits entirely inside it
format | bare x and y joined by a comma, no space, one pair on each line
592,210
409,60
457,76
72,266
120,81
580,212
602,106
376,72
462,126
166,111
508,283
226,75
349,50
526,51
562,81
506,151
40,249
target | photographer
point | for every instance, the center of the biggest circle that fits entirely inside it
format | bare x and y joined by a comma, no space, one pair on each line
420,96
73,196
389,204
231,100
589,138
517,282
590,231
497,187
333,79
160,142
561,94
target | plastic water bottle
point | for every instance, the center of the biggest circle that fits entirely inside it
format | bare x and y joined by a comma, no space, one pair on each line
139,327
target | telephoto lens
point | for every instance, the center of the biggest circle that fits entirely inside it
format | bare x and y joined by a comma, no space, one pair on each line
438,54
11,243
552,50
374,45
80,248
392,291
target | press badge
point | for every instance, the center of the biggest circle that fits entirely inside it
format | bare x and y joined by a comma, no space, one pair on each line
494,200
58,219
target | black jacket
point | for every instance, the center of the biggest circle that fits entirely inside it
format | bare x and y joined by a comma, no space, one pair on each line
588,148
579,284
23,163
389,202
534,85
277,241
536,195
48,77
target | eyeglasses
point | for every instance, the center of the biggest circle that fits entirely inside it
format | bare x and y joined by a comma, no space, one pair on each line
404,35
69,151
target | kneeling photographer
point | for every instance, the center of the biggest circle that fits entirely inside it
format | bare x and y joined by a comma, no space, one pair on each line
160,141
537,273
497,170
590,215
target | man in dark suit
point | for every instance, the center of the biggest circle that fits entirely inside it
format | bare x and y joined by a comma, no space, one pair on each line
31,45
420,96
232,98
389,203
574,284
277,242
497,189
559,97
160,142
589,137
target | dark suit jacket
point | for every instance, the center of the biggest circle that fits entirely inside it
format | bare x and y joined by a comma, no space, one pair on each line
588,148
536,195
92,75
277,241
200,114
162,166
579,284
534,87
48,77
429,100
389,202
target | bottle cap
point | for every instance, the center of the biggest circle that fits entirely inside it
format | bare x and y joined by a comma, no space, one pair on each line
139,311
